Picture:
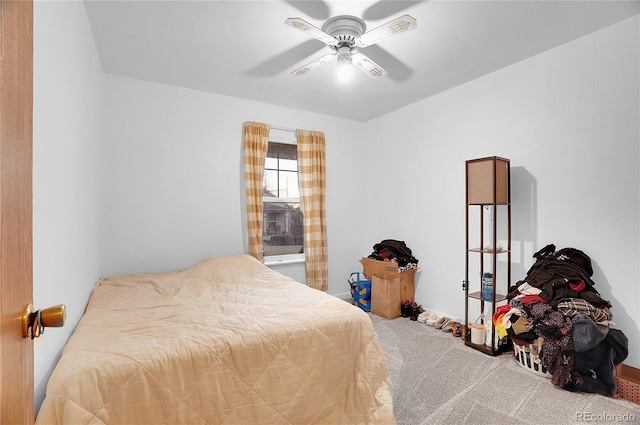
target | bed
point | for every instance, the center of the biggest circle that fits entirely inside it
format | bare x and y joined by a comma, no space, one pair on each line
228,341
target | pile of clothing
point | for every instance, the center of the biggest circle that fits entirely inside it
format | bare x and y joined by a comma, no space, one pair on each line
557,302
395,251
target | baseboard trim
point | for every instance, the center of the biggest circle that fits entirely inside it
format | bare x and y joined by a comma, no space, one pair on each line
344,296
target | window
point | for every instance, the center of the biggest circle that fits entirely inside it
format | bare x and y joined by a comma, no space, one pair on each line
282,226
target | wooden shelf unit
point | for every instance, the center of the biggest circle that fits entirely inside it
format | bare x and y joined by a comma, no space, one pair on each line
487,187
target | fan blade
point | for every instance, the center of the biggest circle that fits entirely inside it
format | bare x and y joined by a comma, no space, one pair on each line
395,27
367,65
306,68
314,32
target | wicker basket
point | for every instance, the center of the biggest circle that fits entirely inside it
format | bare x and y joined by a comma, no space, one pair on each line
527,356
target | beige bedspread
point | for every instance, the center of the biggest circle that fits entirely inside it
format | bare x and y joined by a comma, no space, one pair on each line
228,341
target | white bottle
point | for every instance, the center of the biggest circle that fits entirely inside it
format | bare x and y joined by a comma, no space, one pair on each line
489,328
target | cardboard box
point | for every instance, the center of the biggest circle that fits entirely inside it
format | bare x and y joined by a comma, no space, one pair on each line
385,297
388,270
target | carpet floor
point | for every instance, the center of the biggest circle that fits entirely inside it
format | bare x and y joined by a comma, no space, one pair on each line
436,379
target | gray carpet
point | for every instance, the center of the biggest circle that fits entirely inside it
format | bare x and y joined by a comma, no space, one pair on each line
436,379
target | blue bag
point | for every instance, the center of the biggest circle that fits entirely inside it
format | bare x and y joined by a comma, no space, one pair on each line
360,288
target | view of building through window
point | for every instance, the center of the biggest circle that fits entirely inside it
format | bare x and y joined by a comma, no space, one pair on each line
282,231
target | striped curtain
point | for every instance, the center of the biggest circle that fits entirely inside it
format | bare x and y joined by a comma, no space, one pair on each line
311,176
256,142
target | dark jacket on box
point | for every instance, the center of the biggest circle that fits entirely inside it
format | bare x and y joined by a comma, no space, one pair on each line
391,249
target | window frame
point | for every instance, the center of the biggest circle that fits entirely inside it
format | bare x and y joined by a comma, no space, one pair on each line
287,137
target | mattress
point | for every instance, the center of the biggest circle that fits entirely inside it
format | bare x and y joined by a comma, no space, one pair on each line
228,341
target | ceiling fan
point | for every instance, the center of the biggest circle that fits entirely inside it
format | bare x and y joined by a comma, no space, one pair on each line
344,34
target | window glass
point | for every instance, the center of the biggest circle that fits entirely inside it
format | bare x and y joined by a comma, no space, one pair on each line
282,233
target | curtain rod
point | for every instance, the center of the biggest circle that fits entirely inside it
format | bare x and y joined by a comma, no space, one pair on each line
293,130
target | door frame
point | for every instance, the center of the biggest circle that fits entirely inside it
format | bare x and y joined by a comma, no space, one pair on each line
16,246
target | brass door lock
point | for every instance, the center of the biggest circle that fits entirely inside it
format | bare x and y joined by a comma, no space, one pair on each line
34,321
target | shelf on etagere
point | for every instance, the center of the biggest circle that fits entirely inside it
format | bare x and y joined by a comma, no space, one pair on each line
488,350
478,295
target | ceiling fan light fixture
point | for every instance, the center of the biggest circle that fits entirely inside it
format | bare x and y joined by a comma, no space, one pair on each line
344,72
344,55
344,69
344,34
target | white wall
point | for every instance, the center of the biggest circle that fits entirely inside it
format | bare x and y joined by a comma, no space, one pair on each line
68,103
172,183
568,120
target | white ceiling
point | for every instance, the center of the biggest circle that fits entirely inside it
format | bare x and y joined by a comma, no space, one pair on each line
243,48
